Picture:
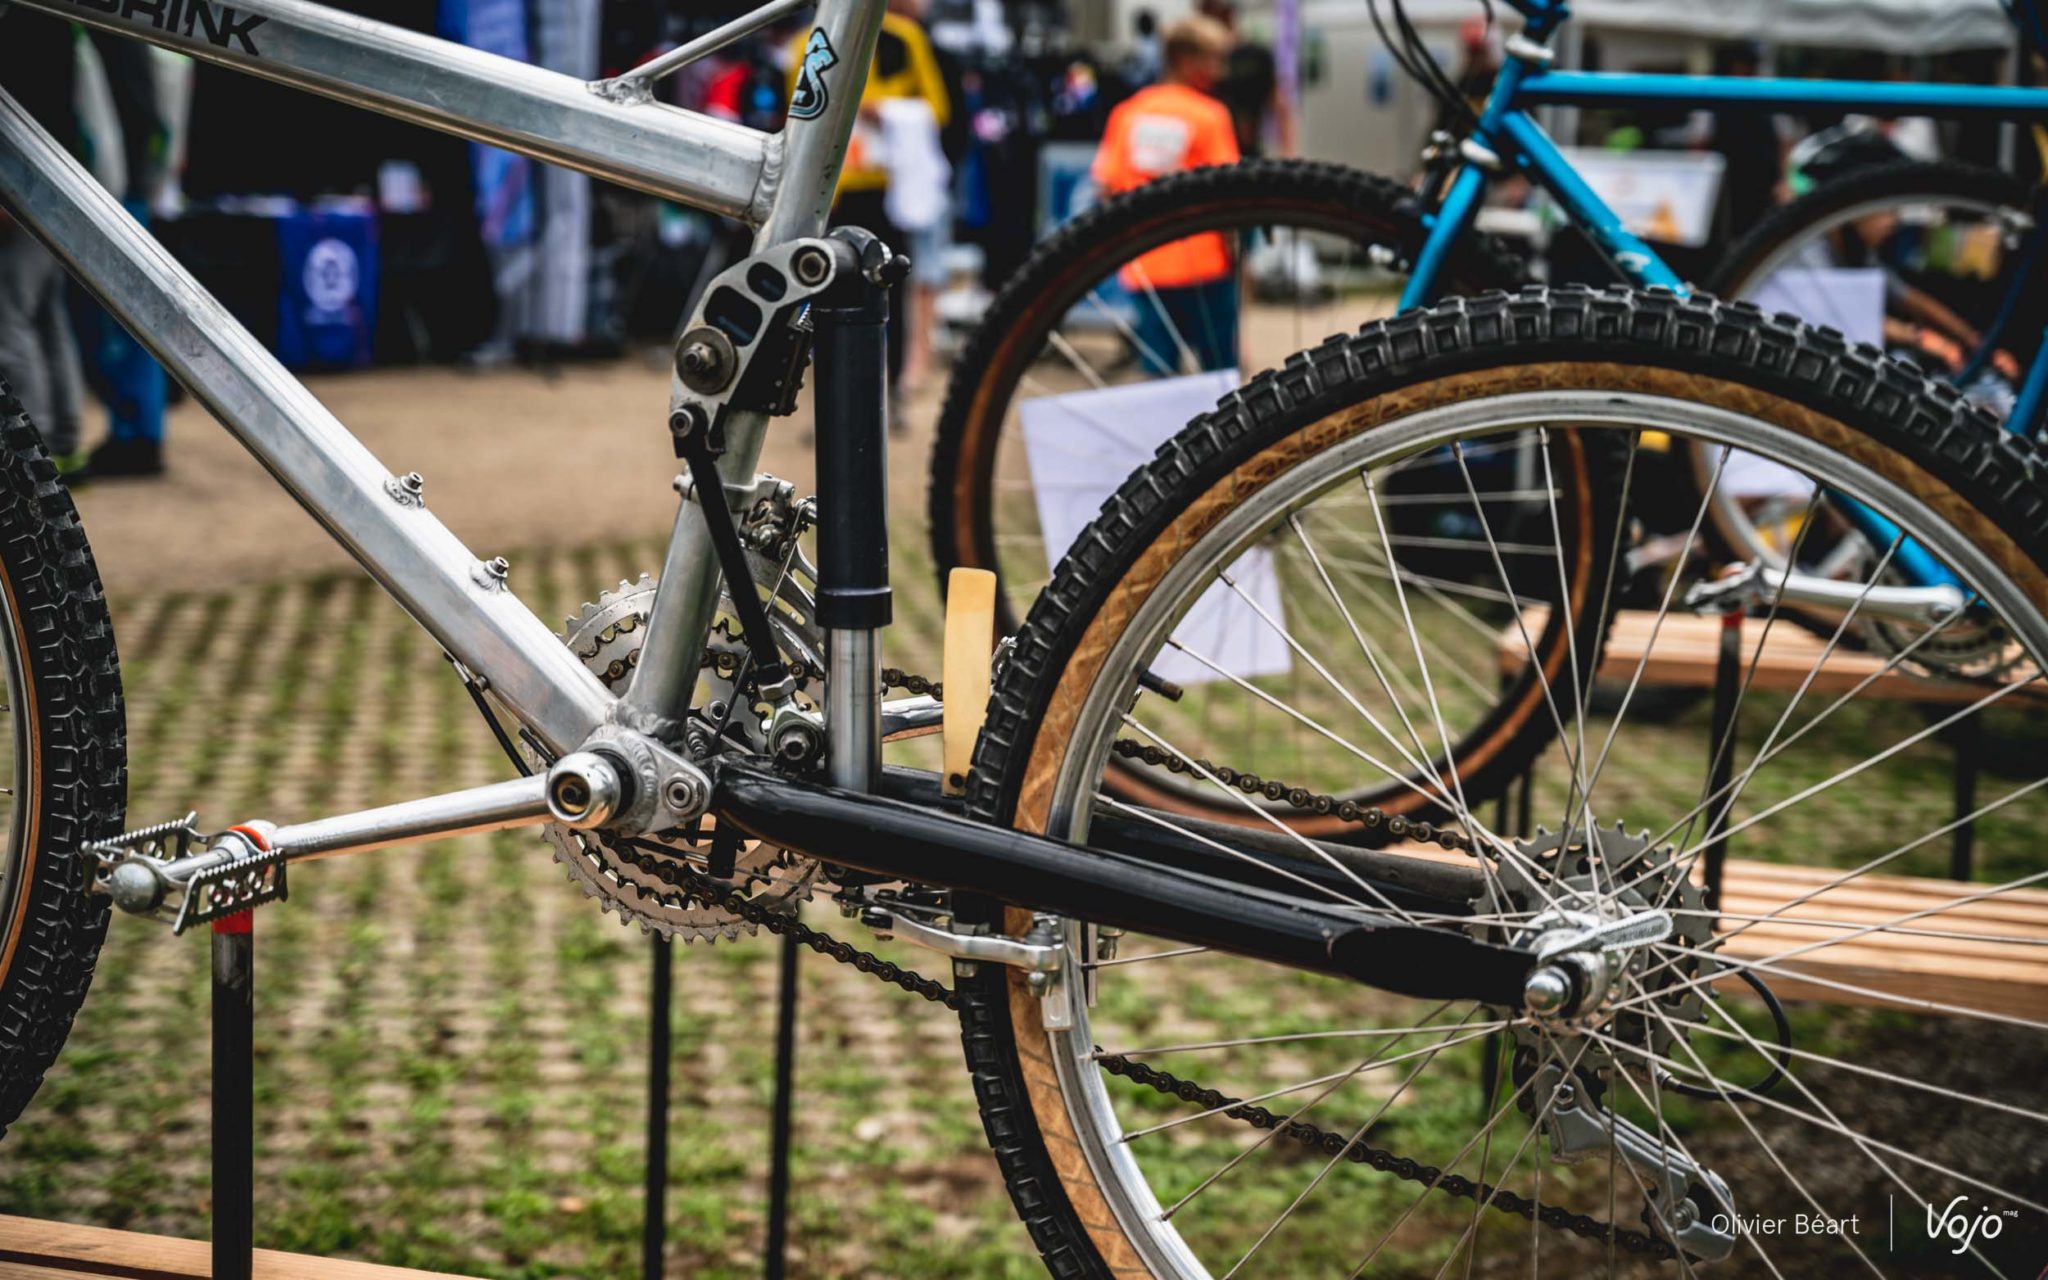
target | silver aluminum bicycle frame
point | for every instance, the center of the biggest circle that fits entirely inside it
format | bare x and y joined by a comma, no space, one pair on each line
781,184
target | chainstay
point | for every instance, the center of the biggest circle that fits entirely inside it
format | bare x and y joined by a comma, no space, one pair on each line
711,892
714,893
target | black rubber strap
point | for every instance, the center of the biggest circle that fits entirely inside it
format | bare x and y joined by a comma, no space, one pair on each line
762,651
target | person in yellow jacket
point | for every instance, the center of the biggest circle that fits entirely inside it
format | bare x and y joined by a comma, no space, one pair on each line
904,67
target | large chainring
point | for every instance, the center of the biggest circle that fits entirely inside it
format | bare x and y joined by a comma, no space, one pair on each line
607,635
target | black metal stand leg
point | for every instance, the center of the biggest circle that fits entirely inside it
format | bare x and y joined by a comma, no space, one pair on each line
234,1011
654,1201
1721,745
785,1079
1525,803
1969,749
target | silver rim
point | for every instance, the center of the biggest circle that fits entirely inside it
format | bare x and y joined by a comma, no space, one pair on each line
1120,1143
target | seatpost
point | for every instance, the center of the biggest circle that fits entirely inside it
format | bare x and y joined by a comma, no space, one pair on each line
851,354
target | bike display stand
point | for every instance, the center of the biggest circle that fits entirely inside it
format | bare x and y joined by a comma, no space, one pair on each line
654,1225
234,1128
233,1031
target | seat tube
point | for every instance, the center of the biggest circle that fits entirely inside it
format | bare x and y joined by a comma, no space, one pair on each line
1452,220
838,53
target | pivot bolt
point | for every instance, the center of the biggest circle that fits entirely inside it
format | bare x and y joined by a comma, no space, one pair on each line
585,790
686,422
705,360
685,794
811,266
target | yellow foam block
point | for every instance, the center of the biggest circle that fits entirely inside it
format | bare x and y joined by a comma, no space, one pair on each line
970,641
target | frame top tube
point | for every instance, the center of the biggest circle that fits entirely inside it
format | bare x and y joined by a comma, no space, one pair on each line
1878,97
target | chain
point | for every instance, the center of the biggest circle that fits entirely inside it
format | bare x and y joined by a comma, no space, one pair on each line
1359,1151
720,896
1370,817
897,678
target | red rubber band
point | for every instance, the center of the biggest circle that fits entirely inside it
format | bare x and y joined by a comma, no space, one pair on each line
243,921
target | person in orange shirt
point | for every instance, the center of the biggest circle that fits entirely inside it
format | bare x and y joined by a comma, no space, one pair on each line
1185,293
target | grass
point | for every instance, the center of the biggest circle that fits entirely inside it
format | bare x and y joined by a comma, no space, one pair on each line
451,1040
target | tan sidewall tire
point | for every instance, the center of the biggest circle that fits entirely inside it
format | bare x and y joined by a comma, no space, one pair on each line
1055,729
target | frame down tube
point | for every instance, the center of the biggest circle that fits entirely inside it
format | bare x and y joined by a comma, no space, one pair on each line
403,545
1539,157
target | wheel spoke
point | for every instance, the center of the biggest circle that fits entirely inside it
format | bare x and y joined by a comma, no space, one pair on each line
1726,745
1770,744
1574,758
1319,852
1500,1113
1844,775
1377,1057
1643,661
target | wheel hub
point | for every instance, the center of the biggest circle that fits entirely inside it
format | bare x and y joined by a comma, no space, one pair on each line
1596,910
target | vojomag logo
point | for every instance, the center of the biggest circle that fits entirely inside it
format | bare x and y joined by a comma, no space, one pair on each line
1966,1223
808,100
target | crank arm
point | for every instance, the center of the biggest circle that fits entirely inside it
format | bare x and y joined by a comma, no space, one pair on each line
1757,584
175,873
1690,1198
899,841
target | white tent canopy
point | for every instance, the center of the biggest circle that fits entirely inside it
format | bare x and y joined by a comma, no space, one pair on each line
1885,26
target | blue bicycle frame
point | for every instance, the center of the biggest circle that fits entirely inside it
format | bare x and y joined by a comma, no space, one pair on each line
1507,139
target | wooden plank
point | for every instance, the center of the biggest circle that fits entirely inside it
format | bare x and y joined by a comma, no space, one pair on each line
35,1249
1682,652
2005,972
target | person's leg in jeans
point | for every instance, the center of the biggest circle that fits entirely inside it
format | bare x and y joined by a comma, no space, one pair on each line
1155,332
1207,317
37,357
1197,322
135,391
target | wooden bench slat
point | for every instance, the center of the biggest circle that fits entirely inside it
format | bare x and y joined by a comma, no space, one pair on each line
1783,935
37,1248
1989,976
1686,647
1743,910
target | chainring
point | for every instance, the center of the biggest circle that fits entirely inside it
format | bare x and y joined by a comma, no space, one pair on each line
607,635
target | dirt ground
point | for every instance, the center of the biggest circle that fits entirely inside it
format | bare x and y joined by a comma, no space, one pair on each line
513,459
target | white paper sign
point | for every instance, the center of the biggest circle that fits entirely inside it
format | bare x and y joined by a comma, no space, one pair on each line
1850,299
1659,195
1082,444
